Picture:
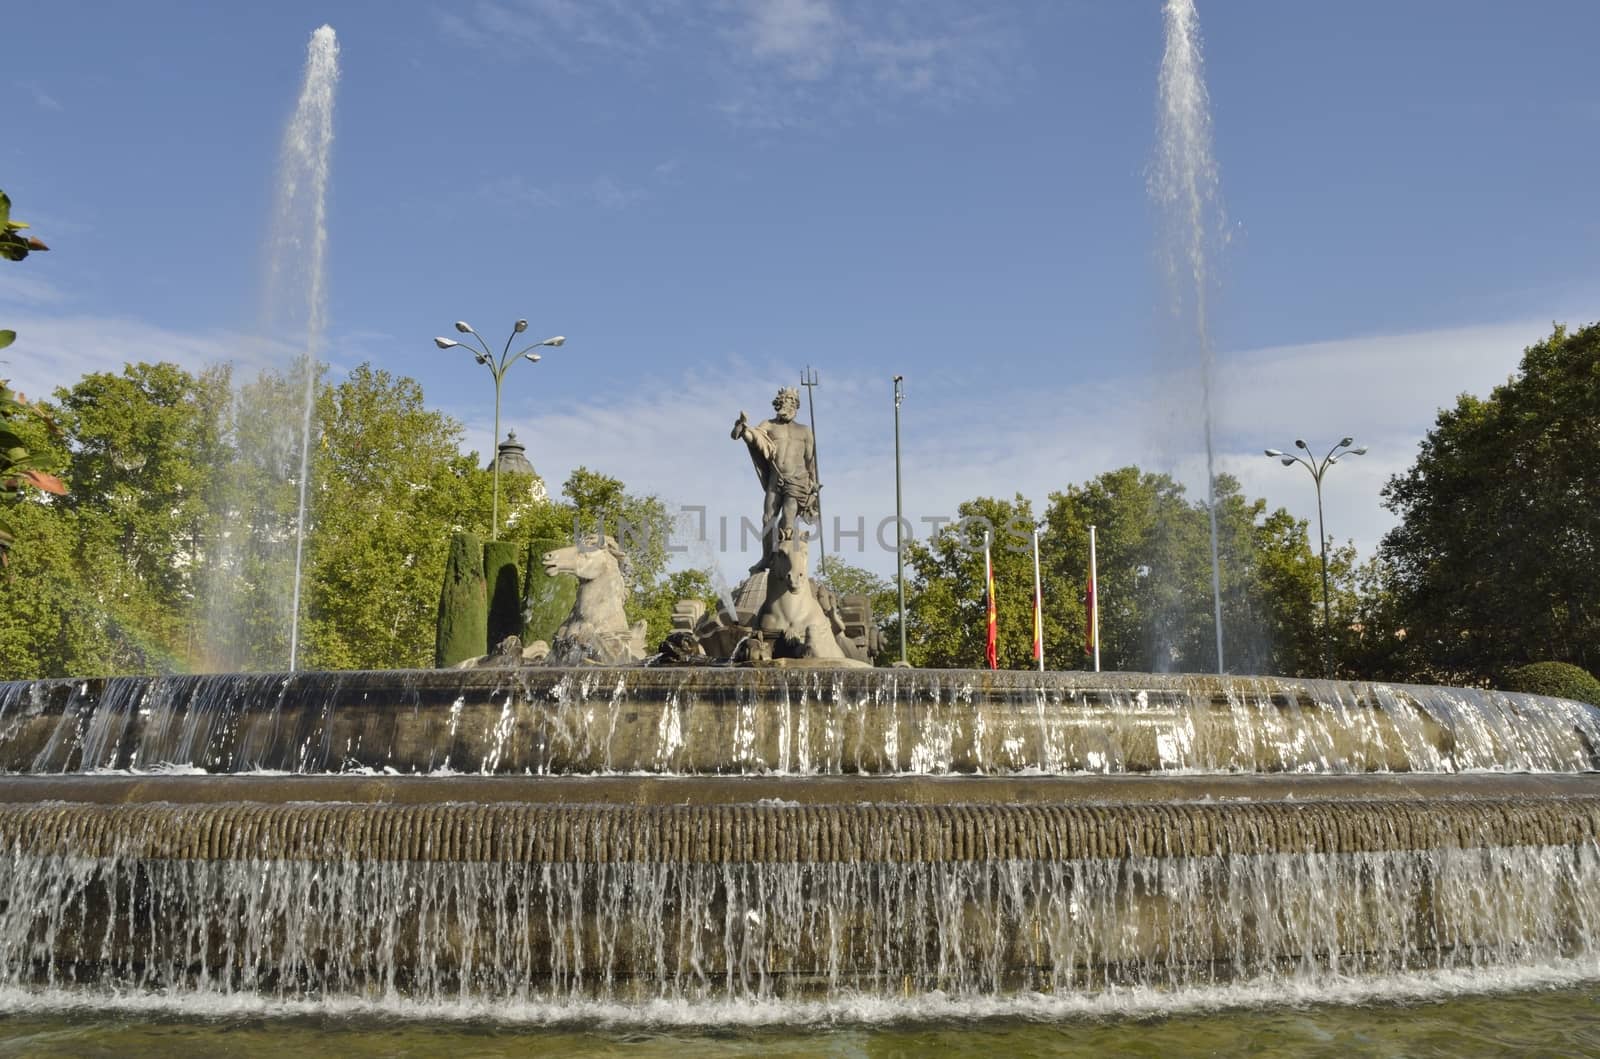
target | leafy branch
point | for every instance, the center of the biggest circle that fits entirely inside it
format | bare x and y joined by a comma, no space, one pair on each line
17,470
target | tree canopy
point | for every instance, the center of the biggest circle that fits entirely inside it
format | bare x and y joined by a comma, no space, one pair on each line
1154,581
1496,560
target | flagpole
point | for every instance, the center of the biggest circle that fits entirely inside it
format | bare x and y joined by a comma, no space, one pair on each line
1094,615
1038,606
990,632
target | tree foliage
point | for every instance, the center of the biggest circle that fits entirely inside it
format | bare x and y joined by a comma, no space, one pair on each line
1496,560
174,549
20,470
390,486
168,552
1154,581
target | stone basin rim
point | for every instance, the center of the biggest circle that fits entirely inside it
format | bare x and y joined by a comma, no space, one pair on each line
729,676
710,791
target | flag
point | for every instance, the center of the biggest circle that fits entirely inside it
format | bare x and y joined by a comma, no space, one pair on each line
991,648
1038,607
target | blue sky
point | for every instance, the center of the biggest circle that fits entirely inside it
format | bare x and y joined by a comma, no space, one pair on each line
704,197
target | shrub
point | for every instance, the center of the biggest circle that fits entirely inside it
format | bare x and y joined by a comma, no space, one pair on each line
463,630
1560,679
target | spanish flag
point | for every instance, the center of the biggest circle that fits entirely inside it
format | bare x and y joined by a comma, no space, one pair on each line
991,649
1038,608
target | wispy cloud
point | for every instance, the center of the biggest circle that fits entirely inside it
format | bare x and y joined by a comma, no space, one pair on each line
17,288
611,195
54,350
669,435
771,63
562,30
801,36
41,99
604,191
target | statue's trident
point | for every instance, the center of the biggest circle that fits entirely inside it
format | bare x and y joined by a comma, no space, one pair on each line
808,379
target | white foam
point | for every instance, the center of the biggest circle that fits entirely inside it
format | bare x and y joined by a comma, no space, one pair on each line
849,1009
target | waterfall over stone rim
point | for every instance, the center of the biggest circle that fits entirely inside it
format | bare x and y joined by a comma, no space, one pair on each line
781,722
541,839
559,902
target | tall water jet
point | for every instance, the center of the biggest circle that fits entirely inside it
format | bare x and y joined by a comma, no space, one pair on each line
300,227
1184,185
253,580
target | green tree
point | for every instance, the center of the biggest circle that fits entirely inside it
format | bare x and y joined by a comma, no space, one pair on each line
1561,679
1154,562
1494,561
144,445
1155,592
946,621
846,579
1153,569
50,622
655,605
389,487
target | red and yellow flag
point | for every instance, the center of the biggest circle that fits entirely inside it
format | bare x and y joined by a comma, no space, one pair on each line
1038,607
991,648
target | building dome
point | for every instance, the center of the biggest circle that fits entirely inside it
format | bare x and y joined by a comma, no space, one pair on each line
512,459
512,456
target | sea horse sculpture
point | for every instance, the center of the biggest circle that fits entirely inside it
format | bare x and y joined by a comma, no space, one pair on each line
791,616
597,629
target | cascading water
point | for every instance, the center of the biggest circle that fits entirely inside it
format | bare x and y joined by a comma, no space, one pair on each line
560,902
665,722
1184,185
548,840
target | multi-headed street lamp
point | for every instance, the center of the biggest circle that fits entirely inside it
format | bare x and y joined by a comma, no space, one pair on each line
1318,468
498,368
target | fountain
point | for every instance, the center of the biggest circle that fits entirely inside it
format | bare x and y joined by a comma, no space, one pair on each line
553,835
795,830
799,829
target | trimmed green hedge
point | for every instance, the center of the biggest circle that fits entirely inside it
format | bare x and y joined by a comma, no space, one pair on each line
1560,679
504,585
546,600
463,628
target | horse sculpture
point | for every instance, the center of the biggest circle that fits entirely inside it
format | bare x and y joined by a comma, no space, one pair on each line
597,629
791,616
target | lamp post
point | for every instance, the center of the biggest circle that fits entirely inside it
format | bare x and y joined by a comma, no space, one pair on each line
498,368
1318,468
899,519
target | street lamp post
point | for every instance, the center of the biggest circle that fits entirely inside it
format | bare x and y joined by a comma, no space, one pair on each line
498,368
899,519
1318,468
